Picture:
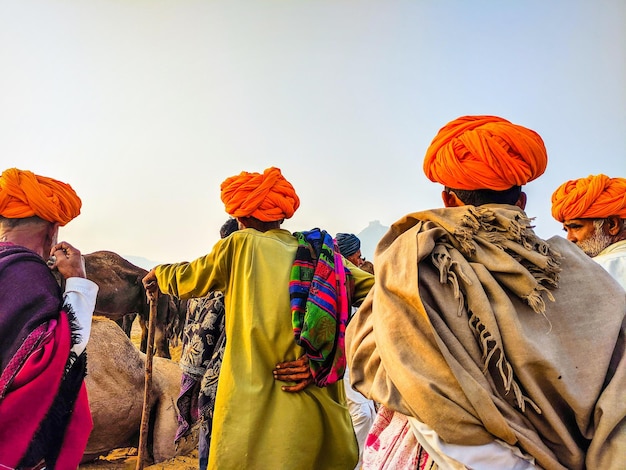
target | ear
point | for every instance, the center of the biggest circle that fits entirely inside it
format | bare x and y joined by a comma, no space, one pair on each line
450,199
52,233
521,201
613,225
51,236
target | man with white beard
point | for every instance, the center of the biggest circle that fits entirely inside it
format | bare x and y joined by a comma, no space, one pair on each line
593,213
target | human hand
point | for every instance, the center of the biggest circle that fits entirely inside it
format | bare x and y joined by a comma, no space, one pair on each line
297,371
67,260
151,285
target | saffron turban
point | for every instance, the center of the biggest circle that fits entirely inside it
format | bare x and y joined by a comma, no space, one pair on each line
594,197
25,194
268,197
485,152
348,244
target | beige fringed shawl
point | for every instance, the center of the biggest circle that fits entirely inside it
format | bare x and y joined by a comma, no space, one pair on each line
482,330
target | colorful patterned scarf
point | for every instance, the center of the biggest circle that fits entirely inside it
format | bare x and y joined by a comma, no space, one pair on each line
320,289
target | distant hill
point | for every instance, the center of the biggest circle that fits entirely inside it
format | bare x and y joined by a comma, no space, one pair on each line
141,262
369,237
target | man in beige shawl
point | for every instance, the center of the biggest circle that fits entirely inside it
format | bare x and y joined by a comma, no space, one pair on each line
499,349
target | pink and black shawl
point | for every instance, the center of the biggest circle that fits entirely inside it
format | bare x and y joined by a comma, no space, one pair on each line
44,411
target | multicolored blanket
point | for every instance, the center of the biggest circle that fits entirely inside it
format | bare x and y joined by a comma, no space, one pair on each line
320,290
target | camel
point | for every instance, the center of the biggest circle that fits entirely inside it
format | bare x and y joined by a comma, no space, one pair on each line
115,385
121,295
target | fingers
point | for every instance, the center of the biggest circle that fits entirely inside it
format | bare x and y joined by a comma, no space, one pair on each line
297,371
300,364
152,295
149,281
151,285
290,368
284,376
67,259
296,388
66,250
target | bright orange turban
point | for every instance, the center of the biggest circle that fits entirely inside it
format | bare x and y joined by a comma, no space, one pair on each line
268,197
594,197
485,152
25,194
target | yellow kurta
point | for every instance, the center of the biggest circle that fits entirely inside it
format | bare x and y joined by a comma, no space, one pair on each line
256,424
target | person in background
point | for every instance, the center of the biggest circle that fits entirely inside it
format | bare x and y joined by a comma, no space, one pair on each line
368,266
593,213
487,346
204,340
350,248
362,410
262,418
44,410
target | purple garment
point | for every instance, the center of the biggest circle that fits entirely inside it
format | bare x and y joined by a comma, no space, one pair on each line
187,404
29,297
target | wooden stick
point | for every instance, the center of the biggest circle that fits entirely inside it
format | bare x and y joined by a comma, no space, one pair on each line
142,450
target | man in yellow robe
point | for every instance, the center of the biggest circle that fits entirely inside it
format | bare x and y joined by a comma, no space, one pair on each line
257,423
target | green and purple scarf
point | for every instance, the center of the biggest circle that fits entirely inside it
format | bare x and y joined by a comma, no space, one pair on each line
320,289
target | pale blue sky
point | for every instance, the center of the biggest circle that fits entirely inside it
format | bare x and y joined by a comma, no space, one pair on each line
145,107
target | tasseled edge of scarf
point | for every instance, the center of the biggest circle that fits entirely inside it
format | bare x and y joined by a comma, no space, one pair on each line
503,233
76,336
502,364
443,262
488,344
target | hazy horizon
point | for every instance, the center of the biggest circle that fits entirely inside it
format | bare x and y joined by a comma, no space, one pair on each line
146,107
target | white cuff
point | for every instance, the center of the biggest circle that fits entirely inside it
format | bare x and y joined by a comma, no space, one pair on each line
80,293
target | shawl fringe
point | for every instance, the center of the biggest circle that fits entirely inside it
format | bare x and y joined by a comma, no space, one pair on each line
504,234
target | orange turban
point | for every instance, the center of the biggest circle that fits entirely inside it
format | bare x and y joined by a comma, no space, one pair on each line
594,197
25,194
268,197
485,152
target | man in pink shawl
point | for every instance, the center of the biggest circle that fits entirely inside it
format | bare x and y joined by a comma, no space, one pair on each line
45,419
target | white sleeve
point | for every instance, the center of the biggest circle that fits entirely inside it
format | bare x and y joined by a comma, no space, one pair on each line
615,266
493,456
81,294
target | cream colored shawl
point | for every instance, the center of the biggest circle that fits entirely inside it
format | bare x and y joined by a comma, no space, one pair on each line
467,331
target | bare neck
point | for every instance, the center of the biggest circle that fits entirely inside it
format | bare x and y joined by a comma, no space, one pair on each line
27,237
251,222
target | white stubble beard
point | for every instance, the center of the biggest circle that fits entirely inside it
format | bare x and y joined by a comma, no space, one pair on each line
597,242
